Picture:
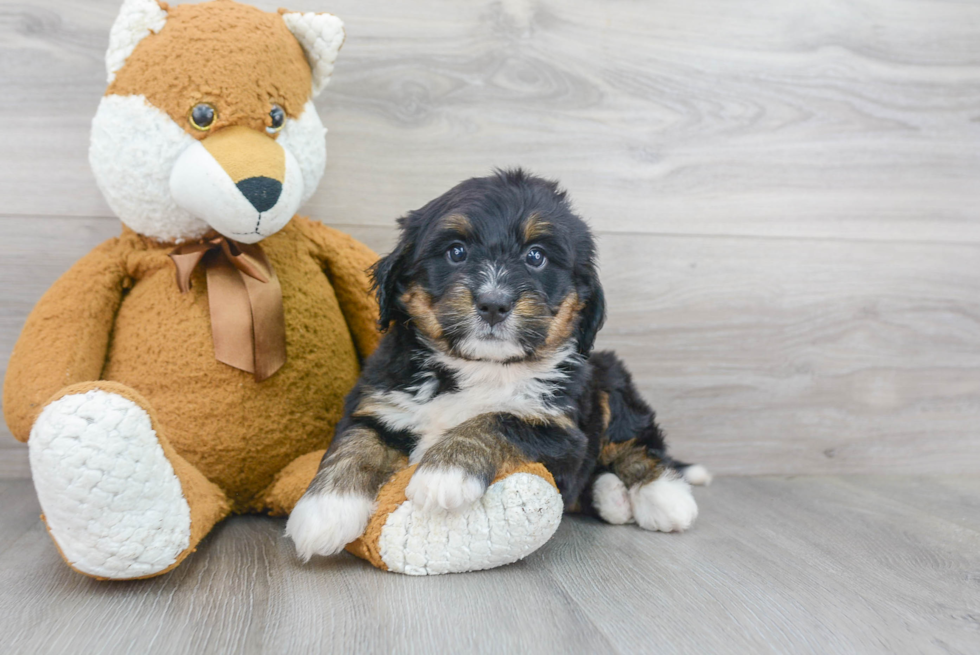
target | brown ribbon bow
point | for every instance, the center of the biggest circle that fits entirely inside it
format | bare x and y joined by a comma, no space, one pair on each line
247,323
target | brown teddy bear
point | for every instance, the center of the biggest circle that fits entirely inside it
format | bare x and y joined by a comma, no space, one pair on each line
195,366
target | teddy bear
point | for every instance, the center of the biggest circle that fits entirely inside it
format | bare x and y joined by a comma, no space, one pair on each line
195,366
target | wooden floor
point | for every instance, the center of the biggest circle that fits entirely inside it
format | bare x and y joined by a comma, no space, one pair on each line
786,193
786,197
775,564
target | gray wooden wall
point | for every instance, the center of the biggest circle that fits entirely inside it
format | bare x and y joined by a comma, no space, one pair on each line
786,193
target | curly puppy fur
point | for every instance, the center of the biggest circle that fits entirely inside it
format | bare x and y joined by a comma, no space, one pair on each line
491,303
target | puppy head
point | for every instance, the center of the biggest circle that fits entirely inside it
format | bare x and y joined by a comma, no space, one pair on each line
498,268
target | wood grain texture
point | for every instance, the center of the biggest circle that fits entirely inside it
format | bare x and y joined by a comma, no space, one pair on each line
854,119
803,565
785,193
760,355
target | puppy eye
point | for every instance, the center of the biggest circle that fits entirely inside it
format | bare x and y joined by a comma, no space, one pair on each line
535,257
277,118
202,116
456,253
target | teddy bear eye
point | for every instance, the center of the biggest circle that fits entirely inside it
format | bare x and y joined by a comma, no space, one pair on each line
277,118
202,116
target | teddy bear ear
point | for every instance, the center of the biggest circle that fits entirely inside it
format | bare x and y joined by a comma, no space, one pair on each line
321,36
136,19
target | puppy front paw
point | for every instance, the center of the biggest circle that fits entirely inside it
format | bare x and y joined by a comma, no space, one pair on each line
449,488
666,504
323,523
611,499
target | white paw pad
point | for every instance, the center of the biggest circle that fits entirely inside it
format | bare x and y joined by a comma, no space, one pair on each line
611,499
448,489
515,517
666,504
323,523
110,496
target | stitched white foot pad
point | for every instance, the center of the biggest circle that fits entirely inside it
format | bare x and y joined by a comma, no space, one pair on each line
110,497
515,517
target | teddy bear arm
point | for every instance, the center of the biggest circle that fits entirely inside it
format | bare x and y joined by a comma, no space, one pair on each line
66,336
346,261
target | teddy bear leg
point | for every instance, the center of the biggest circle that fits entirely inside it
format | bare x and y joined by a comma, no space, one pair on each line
288,487
519,512
118,502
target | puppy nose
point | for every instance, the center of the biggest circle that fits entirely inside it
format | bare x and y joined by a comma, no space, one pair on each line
493,307
262,192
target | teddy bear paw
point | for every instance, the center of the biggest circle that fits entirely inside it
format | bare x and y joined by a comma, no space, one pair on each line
515,517
111,499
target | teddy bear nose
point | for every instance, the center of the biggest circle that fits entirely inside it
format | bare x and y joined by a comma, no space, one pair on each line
262,192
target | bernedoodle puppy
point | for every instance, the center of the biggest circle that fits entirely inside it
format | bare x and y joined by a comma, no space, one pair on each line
491,303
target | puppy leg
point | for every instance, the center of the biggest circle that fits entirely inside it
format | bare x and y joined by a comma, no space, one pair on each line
455,472
340,500
633,450
659,497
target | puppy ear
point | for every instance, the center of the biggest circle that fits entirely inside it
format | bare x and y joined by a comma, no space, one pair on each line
385,275
593,315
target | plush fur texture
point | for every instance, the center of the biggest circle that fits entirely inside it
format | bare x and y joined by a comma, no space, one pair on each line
145,441
161,347
241,62
491,301
114,380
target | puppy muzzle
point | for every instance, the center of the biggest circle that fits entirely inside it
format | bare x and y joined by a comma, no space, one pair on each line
494,306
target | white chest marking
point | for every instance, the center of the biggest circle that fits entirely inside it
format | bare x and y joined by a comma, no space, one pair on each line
522,389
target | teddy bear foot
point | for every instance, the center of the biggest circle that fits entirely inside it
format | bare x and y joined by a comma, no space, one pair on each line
111,499
515,517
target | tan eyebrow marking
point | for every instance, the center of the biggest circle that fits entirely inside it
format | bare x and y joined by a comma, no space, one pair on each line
535,227
459,223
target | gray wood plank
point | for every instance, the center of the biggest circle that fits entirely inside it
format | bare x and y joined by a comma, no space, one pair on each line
807,565
854,120
760,355
802,356
776,565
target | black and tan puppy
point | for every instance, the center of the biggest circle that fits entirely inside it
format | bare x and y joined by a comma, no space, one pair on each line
491,303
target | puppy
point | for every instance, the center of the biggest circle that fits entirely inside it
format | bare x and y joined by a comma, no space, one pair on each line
491,303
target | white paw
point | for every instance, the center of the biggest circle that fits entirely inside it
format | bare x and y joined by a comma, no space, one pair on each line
697,474
611,499
448,488
666,504
110,496
323,523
